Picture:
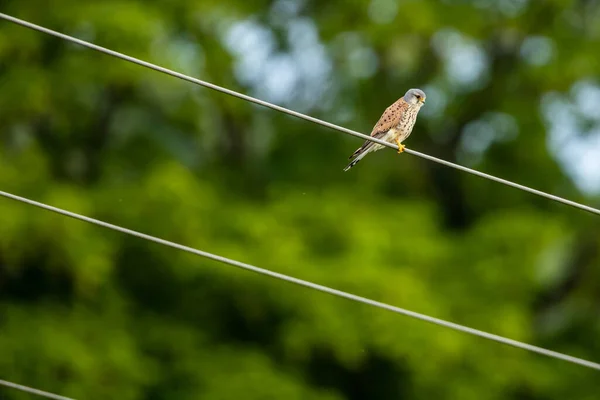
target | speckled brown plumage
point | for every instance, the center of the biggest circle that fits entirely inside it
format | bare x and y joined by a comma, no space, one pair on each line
394,126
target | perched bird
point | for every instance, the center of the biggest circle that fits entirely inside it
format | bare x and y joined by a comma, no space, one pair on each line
395,125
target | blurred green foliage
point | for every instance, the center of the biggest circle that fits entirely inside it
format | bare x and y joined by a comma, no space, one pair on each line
93,314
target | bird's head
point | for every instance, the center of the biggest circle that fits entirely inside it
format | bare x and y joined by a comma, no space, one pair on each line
415,97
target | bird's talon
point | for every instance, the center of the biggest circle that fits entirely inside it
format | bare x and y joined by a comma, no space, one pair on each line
401,148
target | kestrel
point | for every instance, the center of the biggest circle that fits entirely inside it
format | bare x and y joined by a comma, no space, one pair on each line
394,126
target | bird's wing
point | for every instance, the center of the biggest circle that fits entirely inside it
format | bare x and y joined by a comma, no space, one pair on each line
390,118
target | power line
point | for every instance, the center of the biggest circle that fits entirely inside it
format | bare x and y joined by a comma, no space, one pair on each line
310,285
33,391
294,113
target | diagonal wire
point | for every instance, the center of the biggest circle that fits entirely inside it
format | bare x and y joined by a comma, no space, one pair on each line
295,113
314,286
33,391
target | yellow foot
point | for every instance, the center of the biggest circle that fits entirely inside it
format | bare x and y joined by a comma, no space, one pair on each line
400,147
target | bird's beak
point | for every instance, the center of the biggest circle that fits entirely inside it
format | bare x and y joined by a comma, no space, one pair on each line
422,101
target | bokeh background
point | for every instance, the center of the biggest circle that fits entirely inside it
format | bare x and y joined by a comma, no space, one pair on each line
92,314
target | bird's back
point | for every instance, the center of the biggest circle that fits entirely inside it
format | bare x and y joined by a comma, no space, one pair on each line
391,118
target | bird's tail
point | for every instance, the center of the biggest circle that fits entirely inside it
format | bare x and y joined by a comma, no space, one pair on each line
359,154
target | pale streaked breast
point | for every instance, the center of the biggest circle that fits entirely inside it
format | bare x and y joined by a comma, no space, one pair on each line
407,122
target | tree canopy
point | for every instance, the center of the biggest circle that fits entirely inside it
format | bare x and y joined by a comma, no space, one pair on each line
512,89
